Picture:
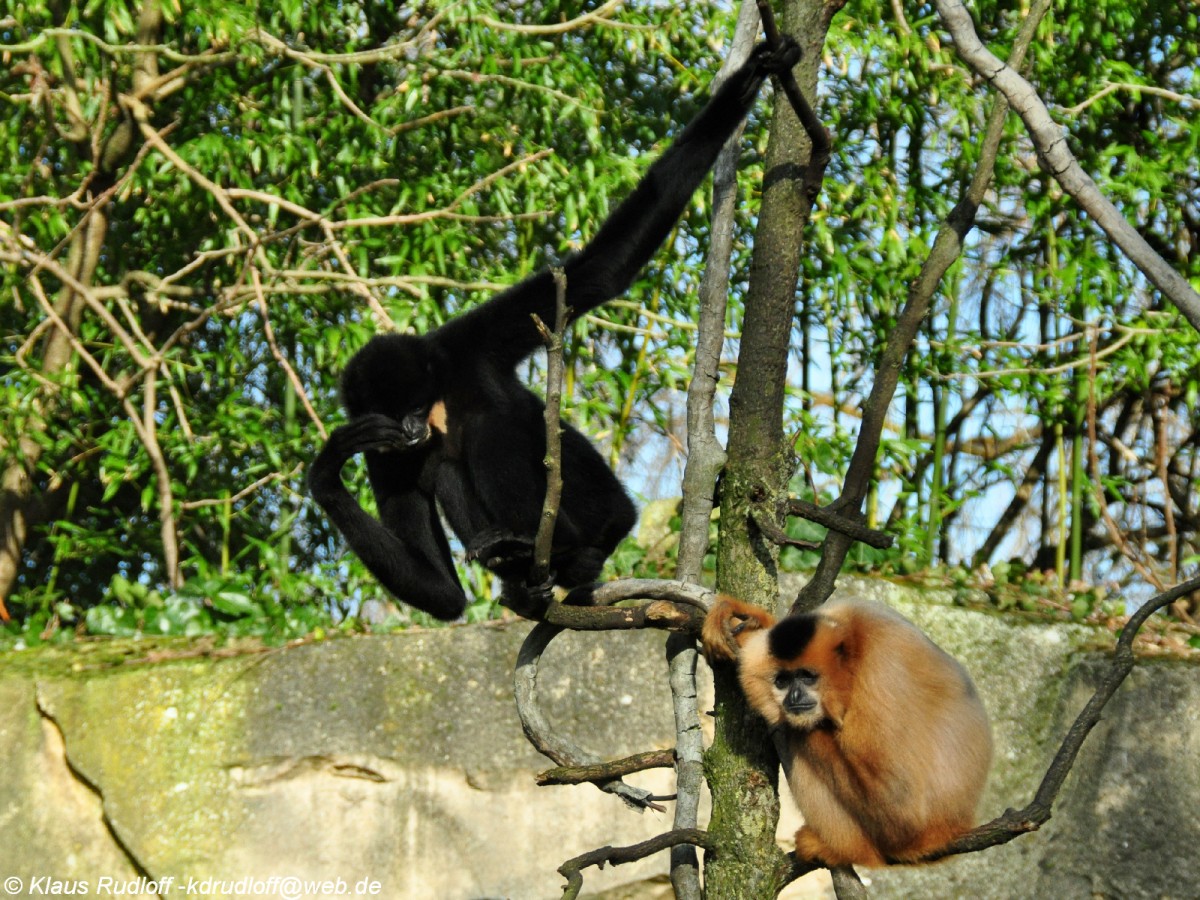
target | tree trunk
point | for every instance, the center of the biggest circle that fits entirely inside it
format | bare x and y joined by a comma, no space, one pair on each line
741,765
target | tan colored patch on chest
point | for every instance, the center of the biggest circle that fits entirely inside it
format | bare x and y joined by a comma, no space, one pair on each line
437,417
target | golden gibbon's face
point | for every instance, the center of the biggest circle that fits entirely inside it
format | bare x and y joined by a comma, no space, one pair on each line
798,693
783,691
785,672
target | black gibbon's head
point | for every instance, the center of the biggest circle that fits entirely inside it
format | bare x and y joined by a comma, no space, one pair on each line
395,375
793,673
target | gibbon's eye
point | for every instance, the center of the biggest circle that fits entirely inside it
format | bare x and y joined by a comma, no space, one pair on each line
782,680
806,676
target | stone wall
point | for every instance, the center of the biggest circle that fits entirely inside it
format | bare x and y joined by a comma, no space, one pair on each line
395,766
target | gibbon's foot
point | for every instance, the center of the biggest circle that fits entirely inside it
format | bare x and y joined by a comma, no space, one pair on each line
812,847
528,601
582,595
728,624
784,57
507,554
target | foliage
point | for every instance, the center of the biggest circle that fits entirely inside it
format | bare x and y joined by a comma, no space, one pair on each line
220,221
302,177
1047,352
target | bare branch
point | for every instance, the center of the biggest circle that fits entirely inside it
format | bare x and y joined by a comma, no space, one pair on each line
837,522
144,425
289,371
663,614
847,885
572,868
1144,567
422,121
114,50
599,16
278,46
392,51
606,771
778,536
141,115
148,432
544,540
1058,161
517,84
706,456
1113,86
705,459
243,493
537,728
684,592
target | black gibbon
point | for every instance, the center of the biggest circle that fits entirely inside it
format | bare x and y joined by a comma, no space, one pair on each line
889,743
442,416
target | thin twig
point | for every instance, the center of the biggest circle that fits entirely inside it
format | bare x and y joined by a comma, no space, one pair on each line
188,505
1111,86
946,249
778,536
1115,533
598,16
288,370
606,771
1056,158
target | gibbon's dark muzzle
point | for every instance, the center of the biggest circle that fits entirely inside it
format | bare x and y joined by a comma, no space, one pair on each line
414,429
799,701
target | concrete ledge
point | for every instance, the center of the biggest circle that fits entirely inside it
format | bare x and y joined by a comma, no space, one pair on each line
399,760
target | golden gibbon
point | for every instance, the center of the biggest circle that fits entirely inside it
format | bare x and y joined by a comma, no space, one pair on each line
888,741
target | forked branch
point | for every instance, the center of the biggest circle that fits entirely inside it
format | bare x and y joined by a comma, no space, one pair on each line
947,247
572,868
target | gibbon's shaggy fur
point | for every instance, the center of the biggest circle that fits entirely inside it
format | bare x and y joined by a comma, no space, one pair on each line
889,743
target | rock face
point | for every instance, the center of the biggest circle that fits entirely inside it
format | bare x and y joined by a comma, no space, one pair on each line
395,766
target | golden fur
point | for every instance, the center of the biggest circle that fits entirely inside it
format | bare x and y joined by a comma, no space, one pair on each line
890,746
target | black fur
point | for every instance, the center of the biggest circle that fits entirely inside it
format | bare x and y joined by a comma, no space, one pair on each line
790,635
487,471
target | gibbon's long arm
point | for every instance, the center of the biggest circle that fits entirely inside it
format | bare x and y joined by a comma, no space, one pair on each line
406,549
632,233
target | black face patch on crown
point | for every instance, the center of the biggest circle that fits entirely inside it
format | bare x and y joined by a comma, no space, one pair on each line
790,635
